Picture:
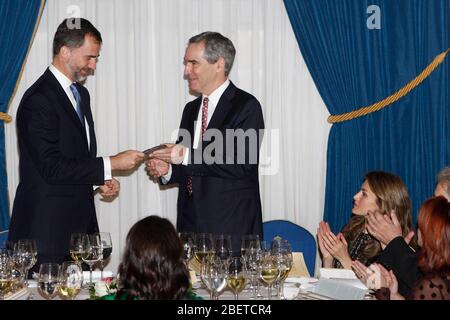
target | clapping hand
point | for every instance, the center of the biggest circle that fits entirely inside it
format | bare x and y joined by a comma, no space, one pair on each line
334,245
385,227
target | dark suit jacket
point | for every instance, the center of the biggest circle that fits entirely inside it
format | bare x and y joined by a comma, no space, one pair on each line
398,257
54,197
226,197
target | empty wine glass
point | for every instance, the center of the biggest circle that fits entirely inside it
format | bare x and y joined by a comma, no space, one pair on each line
70,279
106,245
25,252
216,274
187,240
253,257
236,275
247,241
48,280
204,275
223,248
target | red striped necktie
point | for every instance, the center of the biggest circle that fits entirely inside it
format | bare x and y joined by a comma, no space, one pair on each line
204,125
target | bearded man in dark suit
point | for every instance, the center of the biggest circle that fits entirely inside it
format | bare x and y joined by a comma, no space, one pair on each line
58,163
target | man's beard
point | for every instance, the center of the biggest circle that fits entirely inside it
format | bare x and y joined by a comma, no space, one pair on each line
80,78
77,75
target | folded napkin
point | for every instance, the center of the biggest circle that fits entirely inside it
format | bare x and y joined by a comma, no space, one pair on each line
335,273
339,290
345,276
96,275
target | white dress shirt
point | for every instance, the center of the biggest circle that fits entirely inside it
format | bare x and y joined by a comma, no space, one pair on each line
213,98
65,84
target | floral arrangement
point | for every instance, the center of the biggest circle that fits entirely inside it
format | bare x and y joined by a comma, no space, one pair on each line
103,288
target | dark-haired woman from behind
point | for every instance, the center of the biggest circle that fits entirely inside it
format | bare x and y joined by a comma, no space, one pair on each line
152,266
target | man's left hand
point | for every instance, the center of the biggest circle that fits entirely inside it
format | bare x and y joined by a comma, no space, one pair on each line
110,188
173,153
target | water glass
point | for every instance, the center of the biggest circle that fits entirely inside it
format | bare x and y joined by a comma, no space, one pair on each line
48,281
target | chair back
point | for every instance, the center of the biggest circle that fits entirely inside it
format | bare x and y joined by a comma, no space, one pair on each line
3,238
301,240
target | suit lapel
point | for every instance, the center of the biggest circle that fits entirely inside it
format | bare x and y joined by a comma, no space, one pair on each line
223,107
193,117
65,103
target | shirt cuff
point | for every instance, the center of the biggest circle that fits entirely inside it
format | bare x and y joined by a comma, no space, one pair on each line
107,168
166,178
186,157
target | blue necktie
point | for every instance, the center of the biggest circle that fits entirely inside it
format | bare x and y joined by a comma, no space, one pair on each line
77,96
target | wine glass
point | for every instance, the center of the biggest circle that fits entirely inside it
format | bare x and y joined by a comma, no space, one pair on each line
236,275
204,275
187,240
106,245
216,275
252,258
70,279
48,280
5,273
94,253
223,248
25,252
78,248
247,241
203,246
282,253
269,272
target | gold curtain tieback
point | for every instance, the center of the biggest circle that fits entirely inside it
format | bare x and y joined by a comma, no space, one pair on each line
5,117
392,98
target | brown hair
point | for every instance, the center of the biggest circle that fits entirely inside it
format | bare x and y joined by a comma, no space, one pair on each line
72,32
152,267
434,225
443,178
391,194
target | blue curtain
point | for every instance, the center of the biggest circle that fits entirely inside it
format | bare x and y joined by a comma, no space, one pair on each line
354,66
17,21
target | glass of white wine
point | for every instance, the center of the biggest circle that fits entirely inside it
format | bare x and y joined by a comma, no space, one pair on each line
70,280
94,253
269,272
203,246
5,278
79,245
236,275
48,281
